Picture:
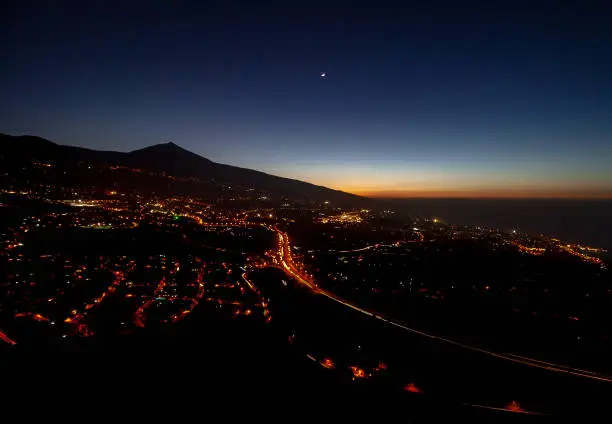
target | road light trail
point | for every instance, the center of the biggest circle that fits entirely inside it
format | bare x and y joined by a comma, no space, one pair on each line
515,411
363,249
290,269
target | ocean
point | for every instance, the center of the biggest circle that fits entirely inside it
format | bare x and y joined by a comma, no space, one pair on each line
578,221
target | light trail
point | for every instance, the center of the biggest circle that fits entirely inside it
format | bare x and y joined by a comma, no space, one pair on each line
515,411
363,249
248,281
291,270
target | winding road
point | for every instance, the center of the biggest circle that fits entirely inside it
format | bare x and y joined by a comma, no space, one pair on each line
289,267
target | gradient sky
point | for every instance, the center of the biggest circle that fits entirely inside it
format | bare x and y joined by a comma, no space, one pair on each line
423,99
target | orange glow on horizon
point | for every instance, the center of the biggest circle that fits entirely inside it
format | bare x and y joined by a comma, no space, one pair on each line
433,180
487,194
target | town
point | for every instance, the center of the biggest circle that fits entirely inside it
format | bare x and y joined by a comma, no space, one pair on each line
107,263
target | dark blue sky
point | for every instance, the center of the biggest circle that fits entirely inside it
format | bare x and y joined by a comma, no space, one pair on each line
433,98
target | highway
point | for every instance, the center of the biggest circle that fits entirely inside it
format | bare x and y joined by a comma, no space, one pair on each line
289,267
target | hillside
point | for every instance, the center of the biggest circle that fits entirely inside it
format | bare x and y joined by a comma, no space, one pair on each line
207,178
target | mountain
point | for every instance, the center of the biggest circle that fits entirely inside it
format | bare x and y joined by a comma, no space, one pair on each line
167,159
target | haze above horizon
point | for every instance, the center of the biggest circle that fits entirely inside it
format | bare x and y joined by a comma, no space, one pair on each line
434,100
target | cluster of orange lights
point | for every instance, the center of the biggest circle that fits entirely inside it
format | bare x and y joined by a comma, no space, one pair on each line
358,372
328,363
575,250
514,407
344,218
535,251
35,317
412,388
77,319
381,366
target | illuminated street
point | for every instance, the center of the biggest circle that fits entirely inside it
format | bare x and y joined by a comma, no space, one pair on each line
291,269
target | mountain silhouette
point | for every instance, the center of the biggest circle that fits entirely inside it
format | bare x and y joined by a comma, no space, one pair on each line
168,159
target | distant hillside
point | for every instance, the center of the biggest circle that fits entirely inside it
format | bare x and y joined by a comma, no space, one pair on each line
170,159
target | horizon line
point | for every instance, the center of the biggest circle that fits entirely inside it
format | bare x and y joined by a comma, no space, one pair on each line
483,196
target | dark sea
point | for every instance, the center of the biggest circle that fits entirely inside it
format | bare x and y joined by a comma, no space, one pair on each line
577,221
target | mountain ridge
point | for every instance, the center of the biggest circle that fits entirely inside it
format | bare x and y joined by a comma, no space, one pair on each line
172,159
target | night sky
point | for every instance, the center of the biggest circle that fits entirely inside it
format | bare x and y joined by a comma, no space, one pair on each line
428,99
